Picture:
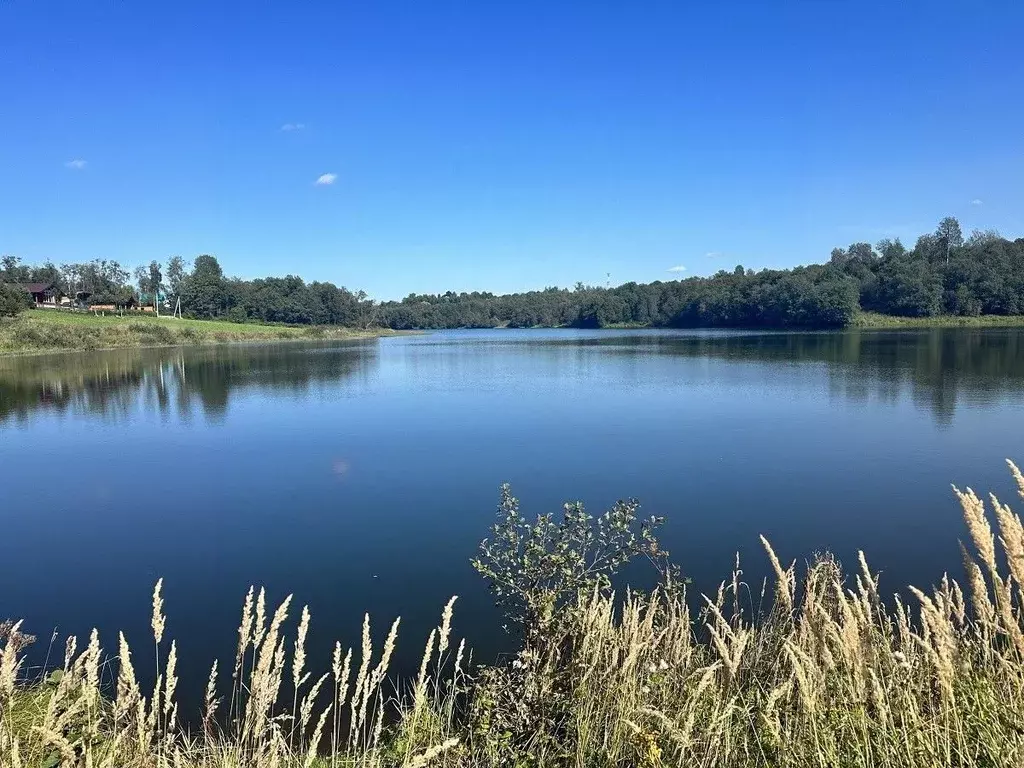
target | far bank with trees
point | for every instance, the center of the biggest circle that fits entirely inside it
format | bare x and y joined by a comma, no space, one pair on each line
944,275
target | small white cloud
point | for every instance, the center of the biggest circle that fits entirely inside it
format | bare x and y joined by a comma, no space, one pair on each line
75,165
293,126
326,179
975,201
712,254
677,269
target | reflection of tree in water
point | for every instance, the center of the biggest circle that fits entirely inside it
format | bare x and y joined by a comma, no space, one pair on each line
101,383
937,367
113,384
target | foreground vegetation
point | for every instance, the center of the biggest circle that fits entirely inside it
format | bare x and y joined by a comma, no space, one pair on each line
830,675
943,274
50,330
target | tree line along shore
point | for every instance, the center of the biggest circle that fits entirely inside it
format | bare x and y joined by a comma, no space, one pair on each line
944,279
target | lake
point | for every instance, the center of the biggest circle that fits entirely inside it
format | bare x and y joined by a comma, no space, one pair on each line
362,475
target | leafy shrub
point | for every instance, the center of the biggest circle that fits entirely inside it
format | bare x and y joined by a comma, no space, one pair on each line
540,573
13,300
152,333
535,568
237,315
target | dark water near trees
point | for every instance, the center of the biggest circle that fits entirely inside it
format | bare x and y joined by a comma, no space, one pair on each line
361,476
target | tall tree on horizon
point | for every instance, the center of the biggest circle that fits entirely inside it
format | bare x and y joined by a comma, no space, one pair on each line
156,283
949,233
176,275
204,293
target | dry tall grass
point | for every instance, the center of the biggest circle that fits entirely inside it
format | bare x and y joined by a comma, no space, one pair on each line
833,676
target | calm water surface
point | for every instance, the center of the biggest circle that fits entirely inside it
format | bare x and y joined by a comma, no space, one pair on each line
361,476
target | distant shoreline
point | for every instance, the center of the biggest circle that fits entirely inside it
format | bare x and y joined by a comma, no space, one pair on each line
49,331
872,320
863,320
44,331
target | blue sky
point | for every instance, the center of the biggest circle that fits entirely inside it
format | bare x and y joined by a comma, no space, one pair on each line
501,146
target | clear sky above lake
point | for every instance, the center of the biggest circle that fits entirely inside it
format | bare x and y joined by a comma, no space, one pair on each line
426,146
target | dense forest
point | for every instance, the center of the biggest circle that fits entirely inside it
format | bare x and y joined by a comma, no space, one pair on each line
943,274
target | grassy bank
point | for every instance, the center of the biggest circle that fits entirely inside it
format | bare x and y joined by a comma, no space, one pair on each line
47,330
867,320
876,320
832,675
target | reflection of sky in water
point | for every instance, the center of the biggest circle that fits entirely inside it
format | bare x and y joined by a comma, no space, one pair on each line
361,476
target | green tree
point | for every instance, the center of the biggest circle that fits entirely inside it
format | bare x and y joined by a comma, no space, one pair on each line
204,293
949,235
156,284
70,280
909,287
891,249
12,270
106,281
862,252
980,237
965,302
46,273
142,281
13,300
176,275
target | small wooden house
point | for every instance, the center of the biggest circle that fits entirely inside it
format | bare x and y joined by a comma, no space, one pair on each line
44,295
